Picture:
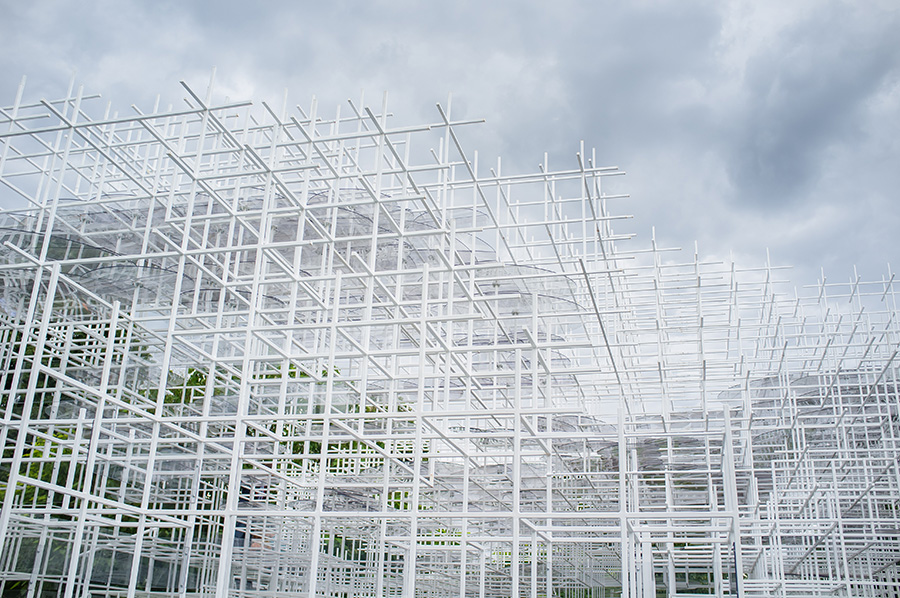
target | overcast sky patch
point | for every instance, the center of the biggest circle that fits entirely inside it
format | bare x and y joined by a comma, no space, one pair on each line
743,125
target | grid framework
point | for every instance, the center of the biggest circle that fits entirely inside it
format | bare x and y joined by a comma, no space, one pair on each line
259,351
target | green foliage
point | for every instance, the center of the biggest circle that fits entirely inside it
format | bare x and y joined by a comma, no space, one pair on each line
41,456
40,464
292,372
183,390
341,547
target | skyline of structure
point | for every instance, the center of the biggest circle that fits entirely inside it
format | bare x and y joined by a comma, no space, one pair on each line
746,127
260,351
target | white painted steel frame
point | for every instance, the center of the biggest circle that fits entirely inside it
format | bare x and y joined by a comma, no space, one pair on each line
260,352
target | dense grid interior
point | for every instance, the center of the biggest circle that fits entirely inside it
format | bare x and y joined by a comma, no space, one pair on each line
260,351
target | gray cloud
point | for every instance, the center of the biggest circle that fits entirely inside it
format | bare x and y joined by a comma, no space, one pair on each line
804,93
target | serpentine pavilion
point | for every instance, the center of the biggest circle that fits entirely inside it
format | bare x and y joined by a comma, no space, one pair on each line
254,350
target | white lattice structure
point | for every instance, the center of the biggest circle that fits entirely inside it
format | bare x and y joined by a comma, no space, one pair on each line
265,352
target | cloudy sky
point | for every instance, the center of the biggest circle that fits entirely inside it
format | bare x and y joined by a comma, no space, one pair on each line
744,126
